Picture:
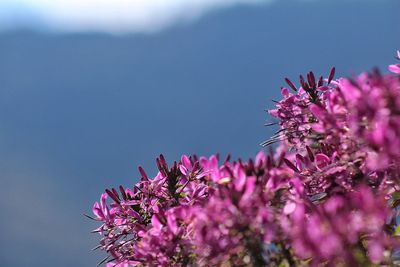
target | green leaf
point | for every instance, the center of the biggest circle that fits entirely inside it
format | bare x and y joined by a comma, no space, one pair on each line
397,231
284,263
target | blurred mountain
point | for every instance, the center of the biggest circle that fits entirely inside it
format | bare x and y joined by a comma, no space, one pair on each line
80,112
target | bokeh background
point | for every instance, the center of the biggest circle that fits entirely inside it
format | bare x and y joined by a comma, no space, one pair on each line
91,89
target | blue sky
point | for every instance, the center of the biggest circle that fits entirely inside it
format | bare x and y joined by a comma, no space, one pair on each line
80,108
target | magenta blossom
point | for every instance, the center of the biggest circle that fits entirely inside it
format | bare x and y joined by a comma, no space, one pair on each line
335,231
395,68
329,195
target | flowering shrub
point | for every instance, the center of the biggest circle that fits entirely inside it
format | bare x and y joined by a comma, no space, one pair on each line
327,196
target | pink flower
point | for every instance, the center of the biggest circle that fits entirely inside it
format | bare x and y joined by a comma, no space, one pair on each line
328,195
395,68
328,232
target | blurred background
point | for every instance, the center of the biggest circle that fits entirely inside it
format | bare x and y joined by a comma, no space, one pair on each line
91,89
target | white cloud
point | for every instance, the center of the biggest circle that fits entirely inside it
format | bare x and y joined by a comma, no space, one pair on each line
115,16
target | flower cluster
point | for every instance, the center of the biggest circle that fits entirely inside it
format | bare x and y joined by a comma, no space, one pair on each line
340,229
327,196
